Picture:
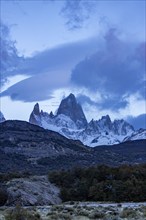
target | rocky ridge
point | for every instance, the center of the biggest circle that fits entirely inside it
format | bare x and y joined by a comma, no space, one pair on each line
70,121
25,147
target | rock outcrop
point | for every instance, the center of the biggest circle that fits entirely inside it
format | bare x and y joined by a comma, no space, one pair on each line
73,110
32,191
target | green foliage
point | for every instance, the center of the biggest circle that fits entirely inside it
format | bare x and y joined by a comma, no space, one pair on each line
102,183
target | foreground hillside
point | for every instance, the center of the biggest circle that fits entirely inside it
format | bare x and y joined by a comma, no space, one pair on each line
97,189
29,148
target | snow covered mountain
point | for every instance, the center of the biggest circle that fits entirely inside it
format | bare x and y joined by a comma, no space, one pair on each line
104,131
137,135
2,118
69,116
71,122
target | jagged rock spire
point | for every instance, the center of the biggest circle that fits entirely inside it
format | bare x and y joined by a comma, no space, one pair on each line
36,109
72,109
35,115
2,118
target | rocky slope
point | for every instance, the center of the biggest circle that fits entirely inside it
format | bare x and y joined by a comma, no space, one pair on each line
25,147
71,122
35,190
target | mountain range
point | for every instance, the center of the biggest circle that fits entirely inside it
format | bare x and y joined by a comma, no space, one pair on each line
70,121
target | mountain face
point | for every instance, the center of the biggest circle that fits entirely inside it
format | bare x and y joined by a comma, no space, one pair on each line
104,131
71,122
137,135
73,110
35,115
25,147
2,118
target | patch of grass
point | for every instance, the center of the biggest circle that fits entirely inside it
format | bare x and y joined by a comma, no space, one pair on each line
143,210
82,212
128,213
96,215
19,213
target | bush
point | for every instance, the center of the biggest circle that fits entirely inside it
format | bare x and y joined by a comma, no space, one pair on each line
3,197
128,213
102,183
19,213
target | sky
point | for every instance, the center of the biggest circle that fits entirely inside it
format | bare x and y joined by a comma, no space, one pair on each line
95,49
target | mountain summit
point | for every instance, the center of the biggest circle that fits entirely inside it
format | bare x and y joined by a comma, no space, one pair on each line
2,118
73,110
71,122
35,115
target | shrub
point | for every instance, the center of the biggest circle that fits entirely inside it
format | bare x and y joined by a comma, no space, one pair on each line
102,183
19,213
96,215
128,213
3,197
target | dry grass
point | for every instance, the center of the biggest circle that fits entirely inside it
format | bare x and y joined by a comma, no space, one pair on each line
76,211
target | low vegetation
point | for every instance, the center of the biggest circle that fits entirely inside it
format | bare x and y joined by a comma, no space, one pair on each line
76,211
3,196
19,213
102,183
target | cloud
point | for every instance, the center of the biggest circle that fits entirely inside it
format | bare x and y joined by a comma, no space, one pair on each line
82,99
77,12
48,70
9,56
138,122
58,57
116,71
103,103
32,89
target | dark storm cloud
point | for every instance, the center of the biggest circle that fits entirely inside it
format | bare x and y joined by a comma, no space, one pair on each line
77,12
112,103
138,122
57,58
115,71
82,99
8,56
48,70
105,102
